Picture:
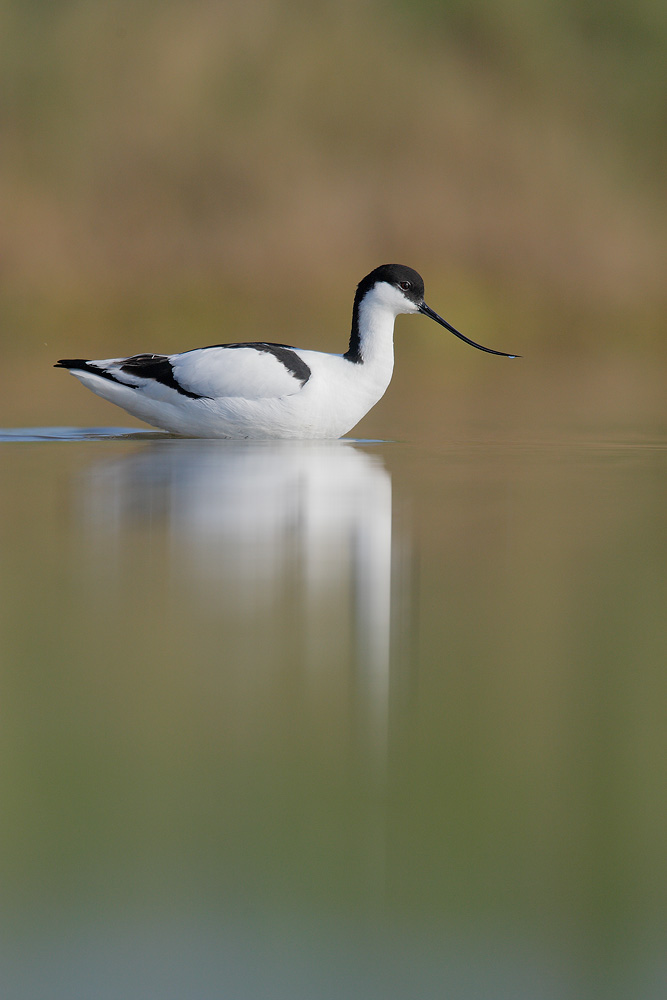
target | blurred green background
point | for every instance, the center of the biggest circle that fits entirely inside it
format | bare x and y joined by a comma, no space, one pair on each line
188,172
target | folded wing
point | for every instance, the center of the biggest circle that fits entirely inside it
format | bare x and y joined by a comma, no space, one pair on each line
248,371
252,371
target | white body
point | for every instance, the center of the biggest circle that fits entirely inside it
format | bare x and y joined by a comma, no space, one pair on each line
252,394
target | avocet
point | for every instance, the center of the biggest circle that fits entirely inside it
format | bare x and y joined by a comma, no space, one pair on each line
267,390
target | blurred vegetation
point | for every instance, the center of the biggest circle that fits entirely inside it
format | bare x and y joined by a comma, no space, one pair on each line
516,144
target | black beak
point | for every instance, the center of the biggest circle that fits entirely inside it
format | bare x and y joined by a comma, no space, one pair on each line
427,311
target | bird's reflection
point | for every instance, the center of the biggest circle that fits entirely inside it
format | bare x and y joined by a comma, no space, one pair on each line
257,518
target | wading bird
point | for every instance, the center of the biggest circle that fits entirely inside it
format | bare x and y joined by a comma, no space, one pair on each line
267,390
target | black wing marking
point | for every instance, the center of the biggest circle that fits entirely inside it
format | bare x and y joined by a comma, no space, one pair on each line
283,353
153,366
85,366
158,367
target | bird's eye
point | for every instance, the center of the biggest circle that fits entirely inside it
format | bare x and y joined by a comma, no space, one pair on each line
405,285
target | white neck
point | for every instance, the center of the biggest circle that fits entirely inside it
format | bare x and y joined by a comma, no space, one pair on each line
376,332
372,340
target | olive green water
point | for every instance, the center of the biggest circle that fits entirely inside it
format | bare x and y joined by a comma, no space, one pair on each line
334,720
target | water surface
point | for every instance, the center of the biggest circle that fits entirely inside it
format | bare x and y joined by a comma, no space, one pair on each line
340,719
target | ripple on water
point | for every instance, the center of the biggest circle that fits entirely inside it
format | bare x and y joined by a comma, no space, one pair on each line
79,434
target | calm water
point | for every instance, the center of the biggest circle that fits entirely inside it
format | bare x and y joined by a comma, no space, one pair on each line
334,720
